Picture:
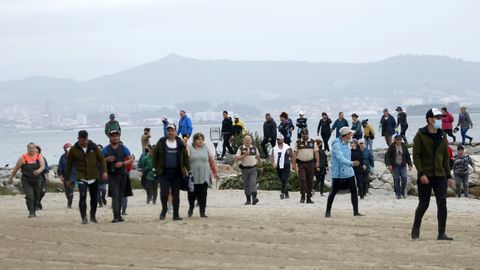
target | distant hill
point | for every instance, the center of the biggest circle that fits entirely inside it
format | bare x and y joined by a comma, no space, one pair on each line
176,79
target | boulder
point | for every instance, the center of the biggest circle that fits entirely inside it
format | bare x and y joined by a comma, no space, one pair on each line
413,191
387,178
387,187
376,184
451,184
451,192
475,191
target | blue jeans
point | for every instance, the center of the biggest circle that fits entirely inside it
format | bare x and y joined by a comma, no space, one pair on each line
464,135
369,145
400,179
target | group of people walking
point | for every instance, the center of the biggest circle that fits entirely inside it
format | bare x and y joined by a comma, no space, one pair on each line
172,161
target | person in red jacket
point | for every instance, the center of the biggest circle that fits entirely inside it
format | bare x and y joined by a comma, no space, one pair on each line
447,123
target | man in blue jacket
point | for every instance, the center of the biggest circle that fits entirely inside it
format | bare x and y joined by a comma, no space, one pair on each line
343,176
184,125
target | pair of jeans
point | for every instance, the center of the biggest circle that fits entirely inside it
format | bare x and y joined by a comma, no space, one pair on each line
283,175
69,193
83,188
102,192
116,187
226,144
369,144
464,135
439,186
340,184
459,181
400,178
306,171
170,181
199,193
264,143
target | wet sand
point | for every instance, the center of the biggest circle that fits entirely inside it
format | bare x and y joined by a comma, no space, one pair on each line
271,235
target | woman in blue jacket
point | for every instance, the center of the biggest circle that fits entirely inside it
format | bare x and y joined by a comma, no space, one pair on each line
343,176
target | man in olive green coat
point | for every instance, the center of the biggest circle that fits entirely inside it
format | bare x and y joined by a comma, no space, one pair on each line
430,156
86,157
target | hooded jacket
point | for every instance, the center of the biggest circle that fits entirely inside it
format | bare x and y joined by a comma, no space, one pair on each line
430,154
342,166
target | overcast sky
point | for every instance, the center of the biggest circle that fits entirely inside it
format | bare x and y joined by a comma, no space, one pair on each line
115,34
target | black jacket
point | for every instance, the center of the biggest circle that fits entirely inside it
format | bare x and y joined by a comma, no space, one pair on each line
270,130
227,126
323,162
158,156
391,155
357,155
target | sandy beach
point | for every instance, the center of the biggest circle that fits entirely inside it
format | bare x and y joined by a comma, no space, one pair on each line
271,235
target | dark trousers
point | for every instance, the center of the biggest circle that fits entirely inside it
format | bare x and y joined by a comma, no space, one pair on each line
152,190
69,192
83,187
439,186
360,183
200,194
283,175
325,138
170,180
30,187
366,182
264,143
340,184
403,130
305,177
40,193
116,187
226,144
102,193
320,180
449,132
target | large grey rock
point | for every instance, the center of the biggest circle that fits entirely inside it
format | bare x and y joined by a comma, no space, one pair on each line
387,178
475,191
376,184
387,187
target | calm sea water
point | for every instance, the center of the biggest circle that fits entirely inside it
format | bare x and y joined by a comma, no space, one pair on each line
13,145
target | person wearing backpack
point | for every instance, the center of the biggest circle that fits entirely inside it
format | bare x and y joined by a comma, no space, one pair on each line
460,170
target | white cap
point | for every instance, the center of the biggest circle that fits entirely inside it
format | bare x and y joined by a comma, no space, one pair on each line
236,116
280,136
345,130
301,113
361,141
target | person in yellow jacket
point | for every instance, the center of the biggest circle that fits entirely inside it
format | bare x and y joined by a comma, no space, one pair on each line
368,134
238,126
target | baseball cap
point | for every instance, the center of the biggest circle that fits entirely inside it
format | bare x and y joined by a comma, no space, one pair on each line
67,145
399,109
280,137
398,136
433,112
171,125
236,116
361,141
114,131
345,130
301,113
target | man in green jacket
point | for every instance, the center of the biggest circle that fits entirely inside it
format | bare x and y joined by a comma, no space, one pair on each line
86,157
430,156
171,164
112,125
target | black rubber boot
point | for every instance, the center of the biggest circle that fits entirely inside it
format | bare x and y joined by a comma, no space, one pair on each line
302,199
249,200
309,199
255,200
415,233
